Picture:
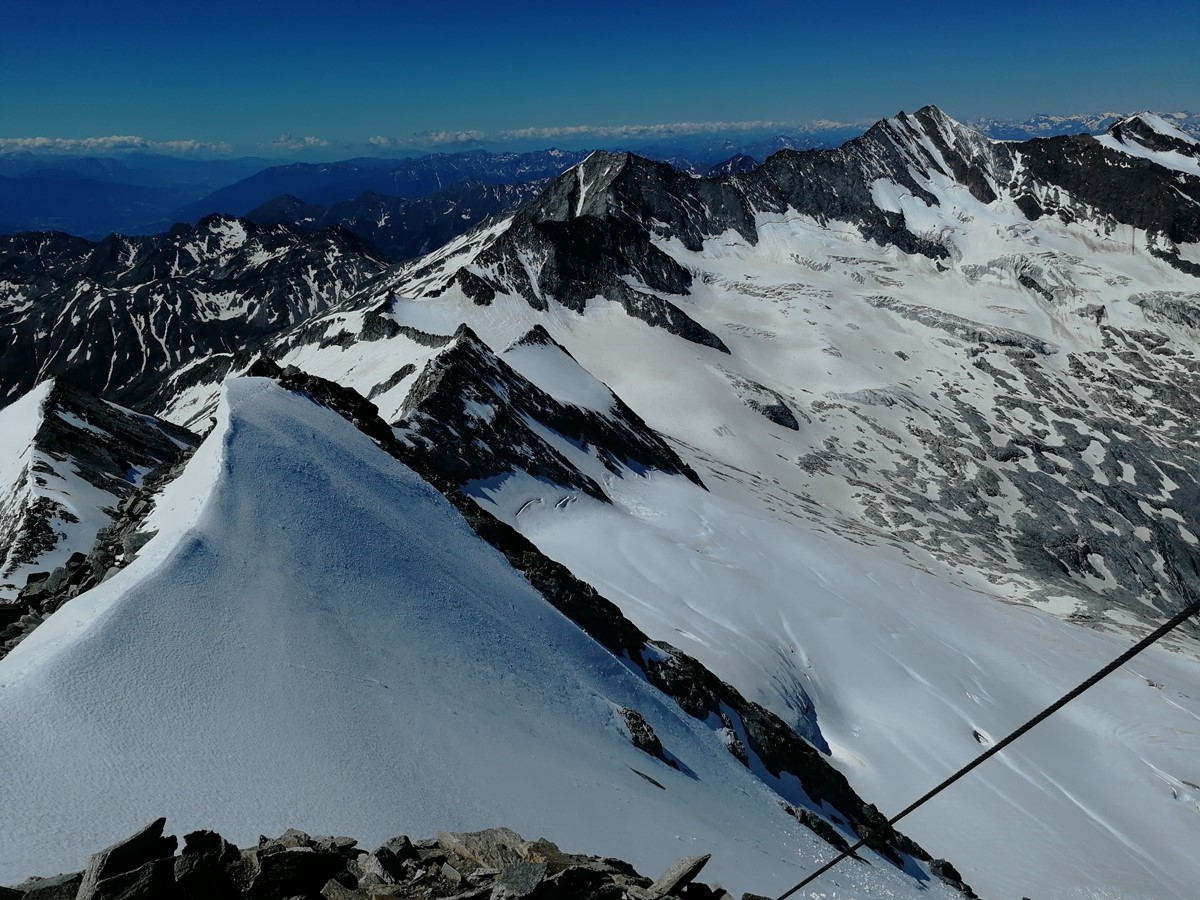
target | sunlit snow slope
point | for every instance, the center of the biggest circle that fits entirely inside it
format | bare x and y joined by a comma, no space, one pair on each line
316,637
912,677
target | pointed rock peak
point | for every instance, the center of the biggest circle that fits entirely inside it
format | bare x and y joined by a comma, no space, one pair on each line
264,367
929,111
590,181
934,120
215,221
535,336
605,158
737,164
464,334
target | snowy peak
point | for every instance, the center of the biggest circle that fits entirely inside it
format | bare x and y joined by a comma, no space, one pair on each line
738,164
69,459
551,252
961,154
1152,137
1116,179
1153,132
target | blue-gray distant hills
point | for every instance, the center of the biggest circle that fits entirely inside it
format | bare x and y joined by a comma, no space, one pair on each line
92,197
334,182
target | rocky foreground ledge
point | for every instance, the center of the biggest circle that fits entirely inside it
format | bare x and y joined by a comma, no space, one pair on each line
497,864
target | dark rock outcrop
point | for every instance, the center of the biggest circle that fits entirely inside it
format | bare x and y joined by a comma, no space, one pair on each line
139,866
115,546
642,736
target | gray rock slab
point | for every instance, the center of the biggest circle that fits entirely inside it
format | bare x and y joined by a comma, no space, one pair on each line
679,875
58,887
126,856
519,879
494,847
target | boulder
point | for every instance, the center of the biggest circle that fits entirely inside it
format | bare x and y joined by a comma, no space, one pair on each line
151,881
945,871
290,872
335,890
518,879
678,875
494,848
581,882
202,871
129,855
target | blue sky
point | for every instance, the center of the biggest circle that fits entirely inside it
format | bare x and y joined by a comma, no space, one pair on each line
243,75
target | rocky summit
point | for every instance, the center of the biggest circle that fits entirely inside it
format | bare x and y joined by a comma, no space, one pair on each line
495,863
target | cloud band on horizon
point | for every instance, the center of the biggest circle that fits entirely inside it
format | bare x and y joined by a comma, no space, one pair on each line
575,132
109,144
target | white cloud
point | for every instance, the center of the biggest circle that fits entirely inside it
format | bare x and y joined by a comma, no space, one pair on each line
600,132
115,143
293,142
431,139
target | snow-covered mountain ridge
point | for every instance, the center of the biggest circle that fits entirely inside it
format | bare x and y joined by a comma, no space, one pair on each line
438,671
869,434
1044,125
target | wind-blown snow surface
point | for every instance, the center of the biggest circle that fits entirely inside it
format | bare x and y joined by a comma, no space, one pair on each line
912,678
316,638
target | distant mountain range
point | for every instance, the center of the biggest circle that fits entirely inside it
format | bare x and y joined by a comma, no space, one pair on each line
402,228
327,183
129,309
145,193
1050,126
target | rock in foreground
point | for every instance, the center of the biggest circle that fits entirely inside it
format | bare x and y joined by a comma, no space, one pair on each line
497,863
